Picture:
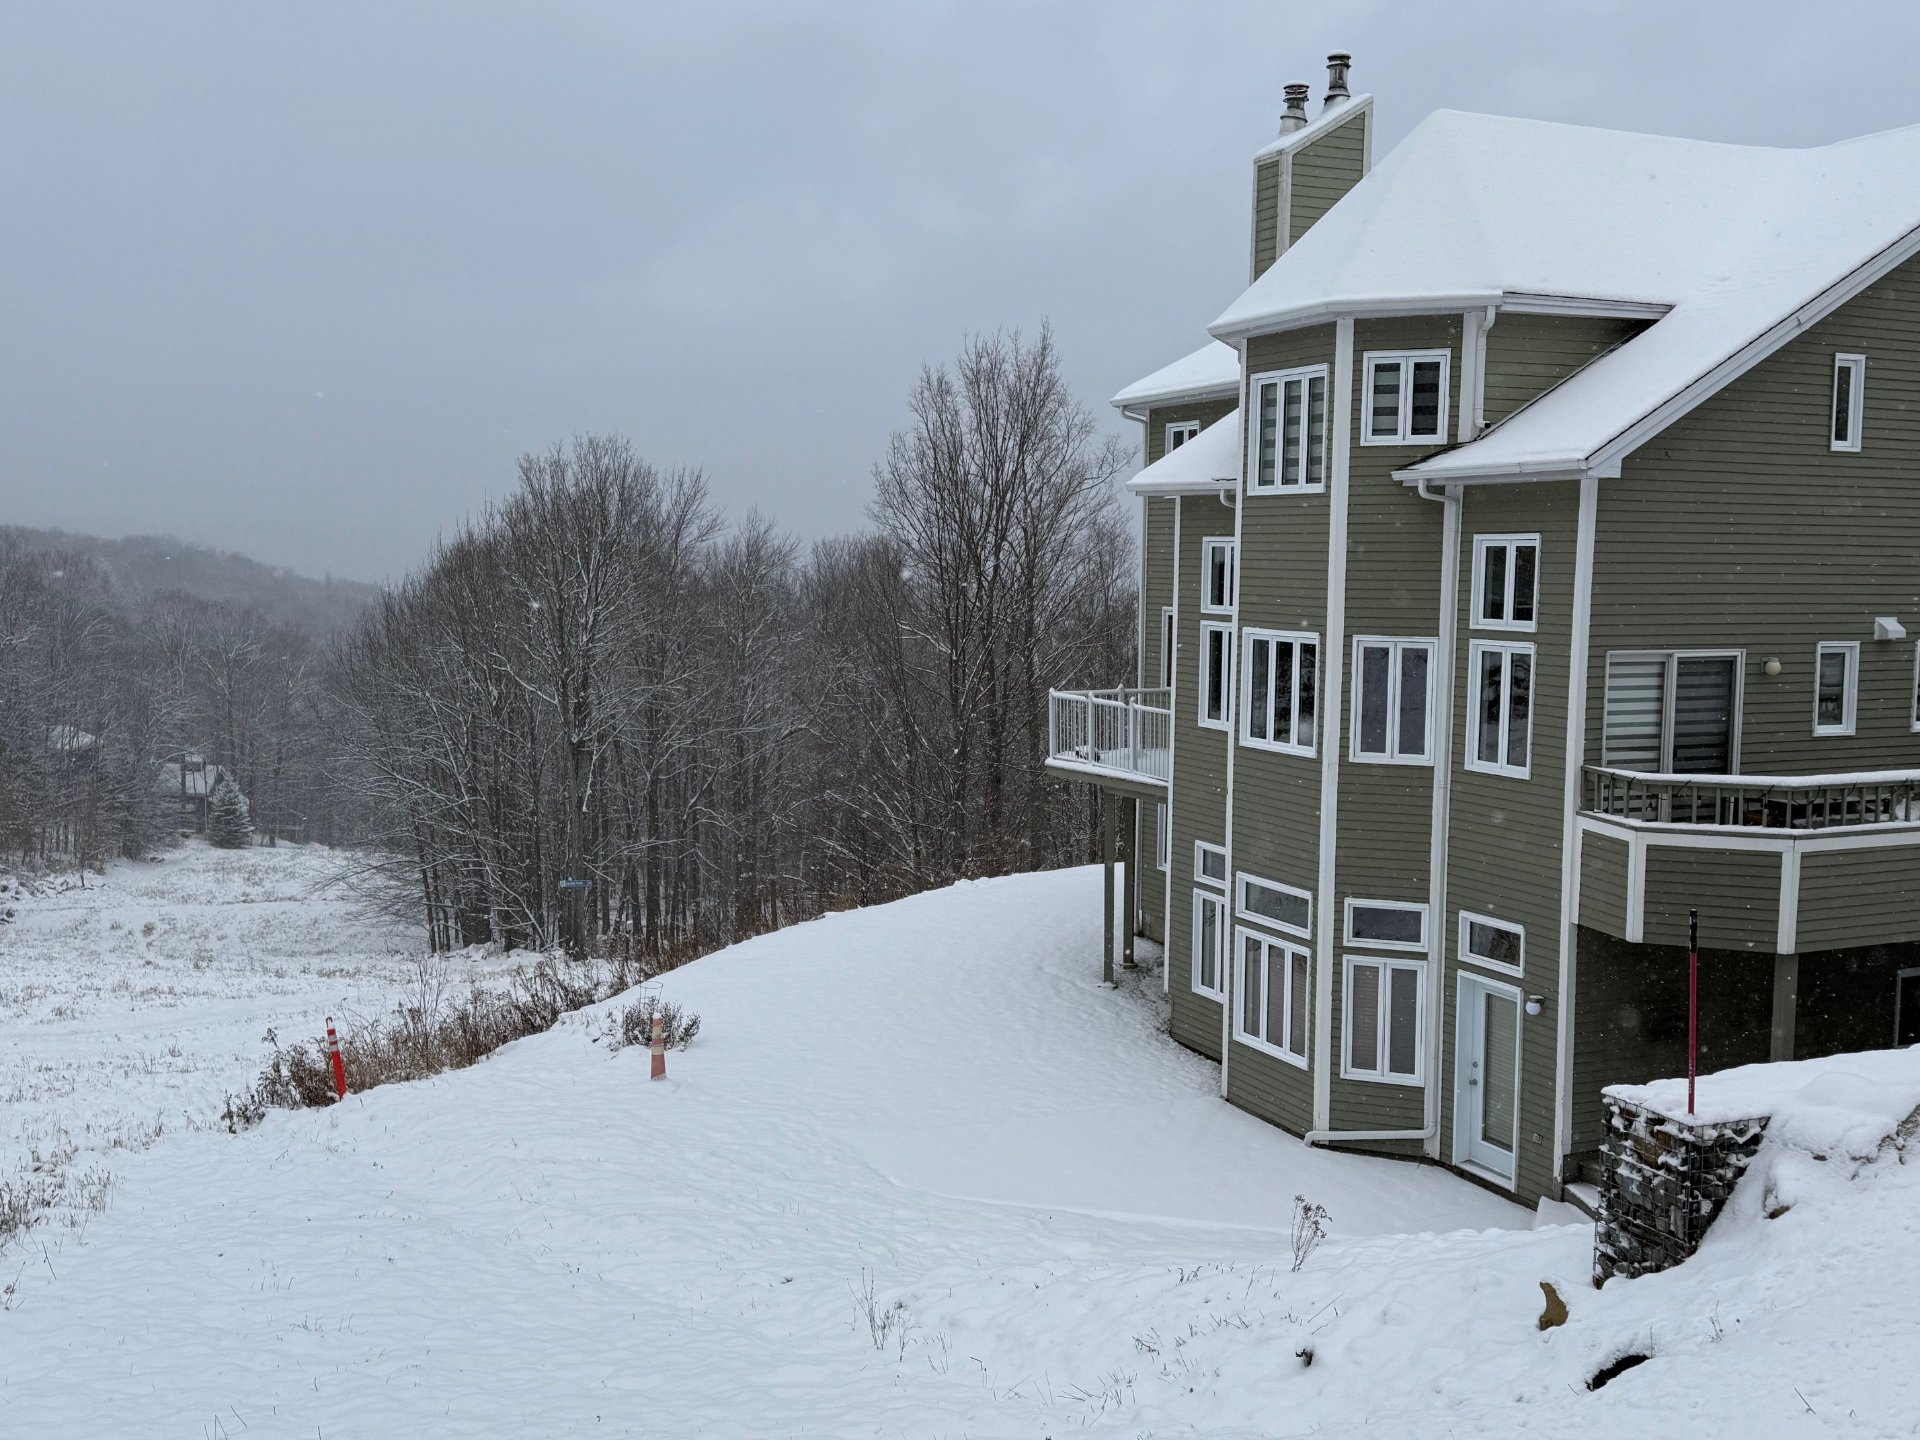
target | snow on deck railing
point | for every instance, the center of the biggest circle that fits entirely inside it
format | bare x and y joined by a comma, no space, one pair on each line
1774,802
1126,731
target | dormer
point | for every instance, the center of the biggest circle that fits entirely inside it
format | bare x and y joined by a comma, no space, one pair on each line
1315,161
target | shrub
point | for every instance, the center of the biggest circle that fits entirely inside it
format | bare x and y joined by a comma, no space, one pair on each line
634,1025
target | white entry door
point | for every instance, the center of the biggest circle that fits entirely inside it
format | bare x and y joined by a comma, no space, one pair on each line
1487,1075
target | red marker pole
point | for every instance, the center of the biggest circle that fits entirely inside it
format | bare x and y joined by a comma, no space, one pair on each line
1693,1002
659,1047
339,1065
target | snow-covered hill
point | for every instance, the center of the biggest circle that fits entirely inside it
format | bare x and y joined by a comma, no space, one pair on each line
920,1175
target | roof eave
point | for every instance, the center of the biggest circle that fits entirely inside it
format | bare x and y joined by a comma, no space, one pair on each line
1520,302
1182,487
1126,403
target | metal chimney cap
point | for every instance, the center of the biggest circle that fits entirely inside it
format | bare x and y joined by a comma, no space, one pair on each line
1295,116
1337,65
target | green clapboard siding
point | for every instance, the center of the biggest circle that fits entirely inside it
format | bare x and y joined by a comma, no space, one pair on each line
1527,355
1324,169
1603,884
1737,893
1859,897
1199,780
1266,214
1179,411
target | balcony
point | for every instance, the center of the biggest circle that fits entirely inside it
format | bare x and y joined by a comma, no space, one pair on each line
1117,735
1780,863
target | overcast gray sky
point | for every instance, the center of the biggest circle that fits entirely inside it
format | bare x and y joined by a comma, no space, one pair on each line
303,280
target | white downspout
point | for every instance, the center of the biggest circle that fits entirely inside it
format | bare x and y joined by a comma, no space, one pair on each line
1172,662
1231,960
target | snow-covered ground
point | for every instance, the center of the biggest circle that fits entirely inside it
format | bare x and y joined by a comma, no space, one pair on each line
919,1175
132,1004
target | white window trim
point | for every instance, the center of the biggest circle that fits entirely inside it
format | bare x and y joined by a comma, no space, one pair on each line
1296,638
1287,950
1281,486
1354,901
1405,359
1509,648
1482,962
1913,690
1850,700
1200,877
1671,684
1481,544
1186,429
1856,402
1162,843
1225,722
1167,643
1393,756
1208,546
1225,930
1241,881
1381,1075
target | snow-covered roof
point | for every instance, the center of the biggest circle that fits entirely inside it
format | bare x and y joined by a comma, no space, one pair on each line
1720,242
1213,369
1209,461
1316,127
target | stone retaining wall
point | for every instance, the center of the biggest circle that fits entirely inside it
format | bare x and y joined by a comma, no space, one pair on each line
1662,1182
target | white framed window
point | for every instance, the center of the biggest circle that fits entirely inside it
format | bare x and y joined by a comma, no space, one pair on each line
1849,400
1272,982
1162,842
1287,434
1506,582
1166,647
1836,681
1493,944
1216,575
1179,432
1209,864
1393,701
1216,676
1268,902
1672,711
1503,708
1406,397
1280,693
1385,1015
1211,930
1390,924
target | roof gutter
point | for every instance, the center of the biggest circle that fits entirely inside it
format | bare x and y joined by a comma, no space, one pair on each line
1135,407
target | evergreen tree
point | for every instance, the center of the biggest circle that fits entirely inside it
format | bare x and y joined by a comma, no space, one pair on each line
229,826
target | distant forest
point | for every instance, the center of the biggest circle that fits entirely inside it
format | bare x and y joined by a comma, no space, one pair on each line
709,730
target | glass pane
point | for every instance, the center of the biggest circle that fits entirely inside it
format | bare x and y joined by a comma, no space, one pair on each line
1297,1011
1263,450
1493,587
1213,863
1519,705
1831,706
1282,691
1259,657
1290,436
1363,1015
1842,404
1394,924
1703,714
1498,1038
1413,700
1216,576
1281,906
1525,559
1309,659
1207,944
1493,942
1316,430
1487,736
1376,680
1636,703
1216,674
1276,1003
1424,412
1403,1021
1383,422
1251,975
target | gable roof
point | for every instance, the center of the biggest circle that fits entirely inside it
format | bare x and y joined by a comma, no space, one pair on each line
1212,370
1722,243
1208,462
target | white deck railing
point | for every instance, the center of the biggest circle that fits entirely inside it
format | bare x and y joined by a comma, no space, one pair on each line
1123,732
1774,802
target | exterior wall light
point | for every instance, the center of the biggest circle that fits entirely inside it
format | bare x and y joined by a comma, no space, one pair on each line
1771,665
1535,1004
